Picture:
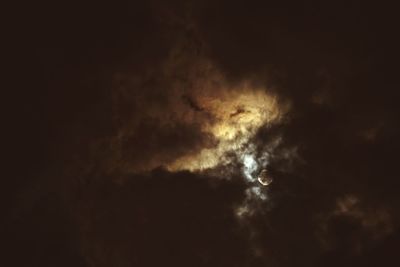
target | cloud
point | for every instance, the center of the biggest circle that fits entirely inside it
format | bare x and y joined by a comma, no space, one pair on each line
184,114
354,225
184,87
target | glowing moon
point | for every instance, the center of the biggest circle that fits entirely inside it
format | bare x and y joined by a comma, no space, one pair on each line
264,178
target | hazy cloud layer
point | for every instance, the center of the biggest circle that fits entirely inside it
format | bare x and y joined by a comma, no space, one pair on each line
118,100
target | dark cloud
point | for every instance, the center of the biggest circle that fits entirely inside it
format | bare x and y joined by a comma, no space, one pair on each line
194,222
107,94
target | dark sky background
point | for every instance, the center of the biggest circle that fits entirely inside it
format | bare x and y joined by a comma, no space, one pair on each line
67,200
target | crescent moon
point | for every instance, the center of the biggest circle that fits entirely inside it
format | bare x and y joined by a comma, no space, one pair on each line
264,179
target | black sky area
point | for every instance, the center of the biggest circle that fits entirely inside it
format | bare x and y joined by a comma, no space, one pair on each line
66,200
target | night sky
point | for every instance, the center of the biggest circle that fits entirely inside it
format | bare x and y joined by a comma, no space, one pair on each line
136,132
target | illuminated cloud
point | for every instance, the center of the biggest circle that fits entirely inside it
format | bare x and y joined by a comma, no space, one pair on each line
209,122
237,113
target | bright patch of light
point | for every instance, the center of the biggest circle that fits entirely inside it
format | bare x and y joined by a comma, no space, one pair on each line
236,117
250,166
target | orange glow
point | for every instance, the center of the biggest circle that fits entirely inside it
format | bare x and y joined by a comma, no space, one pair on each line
237,117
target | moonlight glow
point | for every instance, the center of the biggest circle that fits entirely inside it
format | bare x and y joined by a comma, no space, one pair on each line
237,117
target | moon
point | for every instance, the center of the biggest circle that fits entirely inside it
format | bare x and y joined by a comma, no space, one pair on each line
264,178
